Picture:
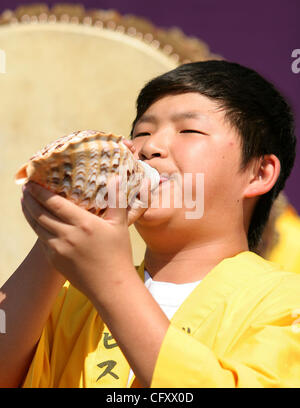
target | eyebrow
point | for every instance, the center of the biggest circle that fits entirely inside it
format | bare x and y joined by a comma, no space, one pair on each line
176,117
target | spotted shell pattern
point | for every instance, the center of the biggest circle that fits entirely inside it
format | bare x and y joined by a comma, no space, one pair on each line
78,166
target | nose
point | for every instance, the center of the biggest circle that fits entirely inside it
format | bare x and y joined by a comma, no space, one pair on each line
154,145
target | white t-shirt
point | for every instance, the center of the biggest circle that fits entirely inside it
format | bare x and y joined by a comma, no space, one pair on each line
168,295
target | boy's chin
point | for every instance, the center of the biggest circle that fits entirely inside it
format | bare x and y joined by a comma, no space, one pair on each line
155,216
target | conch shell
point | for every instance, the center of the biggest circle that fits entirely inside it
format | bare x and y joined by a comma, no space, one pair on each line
78,167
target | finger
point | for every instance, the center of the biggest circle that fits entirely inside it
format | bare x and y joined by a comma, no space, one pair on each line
62,208
41,215
117,201
141,197
129,144
134,213
41,232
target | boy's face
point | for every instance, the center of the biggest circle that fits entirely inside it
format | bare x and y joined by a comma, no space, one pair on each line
186,133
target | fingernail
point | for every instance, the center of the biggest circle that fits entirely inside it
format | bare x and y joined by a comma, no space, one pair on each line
29,186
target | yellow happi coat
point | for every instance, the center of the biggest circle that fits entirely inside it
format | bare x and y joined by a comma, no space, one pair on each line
238,328
287,250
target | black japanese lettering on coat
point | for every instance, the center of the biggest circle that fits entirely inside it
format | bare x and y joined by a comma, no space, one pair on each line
110,364
107,338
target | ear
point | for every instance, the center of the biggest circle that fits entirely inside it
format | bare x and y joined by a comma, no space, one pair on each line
263,176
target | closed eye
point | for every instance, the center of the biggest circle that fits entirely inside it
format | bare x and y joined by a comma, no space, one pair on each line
192,131
142,134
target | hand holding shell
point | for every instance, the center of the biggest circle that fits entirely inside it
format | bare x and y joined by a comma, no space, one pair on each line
78,167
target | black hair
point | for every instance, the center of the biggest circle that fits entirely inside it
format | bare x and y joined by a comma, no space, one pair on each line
252,105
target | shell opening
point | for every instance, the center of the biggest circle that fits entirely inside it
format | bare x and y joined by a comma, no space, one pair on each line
151,173
21,177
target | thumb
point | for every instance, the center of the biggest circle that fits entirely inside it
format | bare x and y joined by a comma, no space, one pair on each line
139,202
117,201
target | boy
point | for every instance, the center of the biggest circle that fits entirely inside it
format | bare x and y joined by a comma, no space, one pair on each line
203,309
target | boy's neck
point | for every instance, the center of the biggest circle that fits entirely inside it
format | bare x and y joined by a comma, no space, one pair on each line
191,263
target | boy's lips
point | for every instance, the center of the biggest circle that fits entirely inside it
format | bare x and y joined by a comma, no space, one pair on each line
164,174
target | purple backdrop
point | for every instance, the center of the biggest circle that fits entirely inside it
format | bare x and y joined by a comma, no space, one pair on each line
258,34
